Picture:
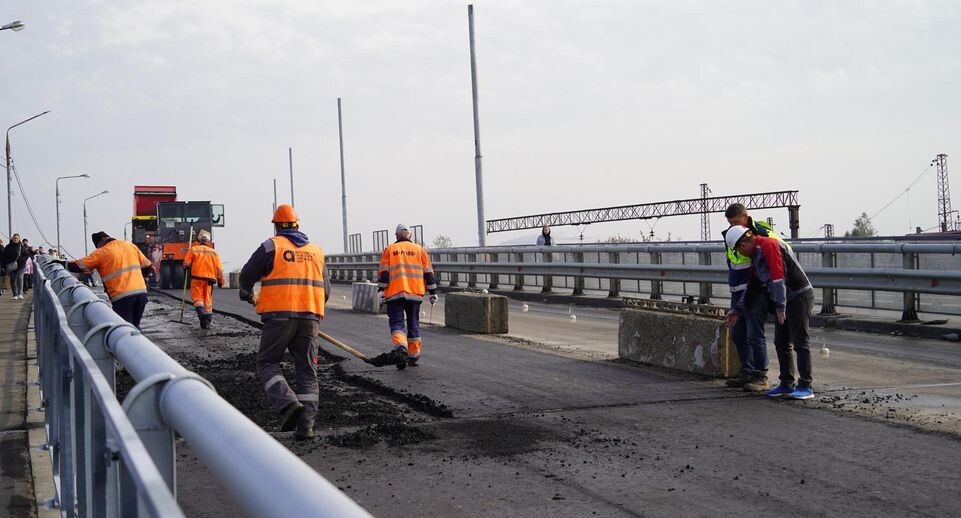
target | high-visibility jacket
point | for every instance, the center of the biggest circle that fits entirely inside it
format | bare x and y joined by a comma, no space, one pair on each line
739,266
119,264
405,272
204,264
776,268
295,285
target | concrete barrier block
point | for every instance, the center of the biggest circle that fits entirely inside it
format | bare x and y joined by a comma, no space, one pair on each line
477,312
233,280
685,342
364,297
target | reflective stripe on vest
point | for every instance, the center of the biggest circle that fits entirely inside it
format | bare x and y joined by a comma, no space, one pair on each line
406,263
296,282
119,264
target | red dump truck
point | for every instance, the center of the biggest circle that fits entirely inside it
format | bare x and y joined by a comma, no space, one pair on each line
162,227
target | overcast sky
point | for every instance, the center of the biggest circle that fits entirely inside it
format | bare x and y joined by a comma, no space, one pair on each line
583,104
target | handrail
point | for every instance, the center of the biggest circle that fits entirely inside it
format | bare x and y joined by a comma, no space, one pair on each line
262,475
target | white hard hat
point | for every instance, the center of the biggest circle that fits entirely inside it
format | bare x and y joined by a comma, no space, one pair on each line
401,228
733,235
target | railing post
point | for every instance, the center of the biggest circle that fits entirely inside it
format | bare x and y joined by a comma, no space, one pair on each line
614,291
548,286
912,301
372,274
579,279
494,277
705,288
472,277
518,277
453,275
657,287
829,296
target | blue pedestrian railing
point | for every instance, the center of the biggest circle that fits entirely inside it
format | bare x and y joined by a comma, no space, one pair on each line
119,460
905,276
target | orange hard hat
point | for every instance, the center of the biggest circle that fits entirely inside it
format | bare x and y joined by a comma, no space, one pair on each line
285,214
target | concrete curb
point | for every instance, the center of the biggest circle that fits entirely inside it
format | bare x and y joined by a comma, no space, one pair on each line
41,467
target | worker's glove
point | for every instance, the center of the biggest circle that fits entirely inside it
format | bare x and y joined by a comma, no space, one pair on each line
432,299
382,299
246,296
220,283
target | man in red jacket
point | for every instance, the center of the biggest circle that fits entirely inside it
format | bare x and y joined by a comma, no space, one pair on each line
775,268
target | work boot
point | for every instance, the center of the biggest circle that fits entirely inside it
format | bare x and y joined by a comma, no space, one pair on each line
739,381
305,430
758,384
290,416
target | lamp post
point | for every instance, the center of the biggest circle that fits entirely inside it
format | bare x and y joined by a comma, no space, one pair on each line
10,192
57,183
14,26
105,191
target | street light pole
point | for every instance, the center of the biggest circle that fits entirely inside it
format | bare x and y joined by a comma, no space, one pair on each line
14,26
9,191
84,175
85,252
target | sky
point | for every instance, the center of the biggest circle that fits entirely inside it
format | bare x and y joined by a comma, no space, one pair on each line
583,104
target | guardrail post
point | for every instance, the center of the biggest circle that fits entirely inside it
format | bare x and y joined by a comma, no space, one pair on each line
578,280
657,287
615,284
912,301
472,277
518,278
453,275
829,296
548,286
705,288
494,277
143,410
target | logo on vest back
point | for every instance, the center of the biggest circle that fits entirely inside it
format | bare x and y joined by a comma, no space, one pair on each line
292,256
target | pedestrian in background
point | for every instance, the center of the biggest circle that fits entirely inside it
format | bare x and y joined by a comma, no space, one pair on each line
294,288
545,238
12,265
404,275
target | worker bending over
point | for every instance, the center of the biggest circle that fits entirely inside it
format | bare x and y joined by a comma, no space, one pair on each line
293,290
120,265
205,271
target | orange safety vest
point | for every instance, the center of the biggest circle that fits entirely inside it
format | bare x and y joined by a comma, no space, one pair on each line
119,264
405,263
295,285
204,263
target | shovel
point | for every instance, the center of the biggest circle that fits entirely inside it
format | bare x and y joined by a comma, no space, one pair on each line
183,298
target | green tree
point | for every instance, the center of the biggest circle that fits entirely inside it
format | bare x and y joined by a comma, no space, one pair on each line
862,227
442,241
617,239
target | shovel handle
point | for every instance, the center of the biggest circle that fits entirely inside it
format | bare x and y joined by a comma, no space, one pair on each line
343,346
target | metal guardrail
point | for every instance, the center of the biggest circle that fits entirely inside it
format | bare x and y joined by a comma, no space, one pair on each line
839,270
112,460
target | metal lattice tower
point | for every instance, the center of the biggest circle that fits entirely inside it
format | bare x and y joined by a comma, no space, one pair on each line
944,193
828,230
705,218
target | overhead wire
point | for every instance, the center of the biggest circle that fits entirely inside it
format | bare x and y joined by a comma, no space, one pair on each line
905,191
26,202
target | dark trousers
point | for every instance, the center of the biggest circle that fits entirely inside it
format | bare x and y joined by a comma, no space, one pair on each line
399,311
748,335
131,308
299,336
791,340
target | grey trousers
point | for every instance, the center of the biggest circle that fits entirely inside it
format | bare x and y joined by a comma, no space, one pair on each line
299,335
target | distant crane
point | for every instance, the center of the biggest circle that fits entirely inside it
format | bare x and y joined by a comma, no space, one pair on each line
944,193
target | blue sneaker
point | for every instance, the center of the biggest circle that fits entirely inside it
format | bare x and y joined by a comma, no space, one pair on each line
802,393
780,390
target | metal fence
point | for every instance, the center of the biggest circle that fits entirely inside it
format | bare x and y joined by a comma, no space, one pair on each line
120,460
909,277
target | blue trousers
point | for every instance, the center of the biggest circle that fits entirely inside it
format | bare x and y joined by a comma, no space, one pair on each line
748,336
397,312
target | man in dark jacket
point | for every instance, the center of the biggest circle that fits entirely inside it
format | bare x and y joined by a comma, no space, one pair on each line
12,265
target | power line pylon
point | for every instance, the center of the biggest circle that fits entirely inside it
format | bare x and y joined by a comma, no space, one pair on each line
705,218
944,193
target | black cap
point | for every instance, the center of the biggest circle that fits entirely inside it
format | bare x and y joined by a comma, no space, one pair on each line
97,237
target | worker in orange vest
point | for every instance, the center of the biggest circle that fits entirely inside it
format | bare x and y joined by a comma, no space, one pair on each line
120,265
404,275
294,287
205,271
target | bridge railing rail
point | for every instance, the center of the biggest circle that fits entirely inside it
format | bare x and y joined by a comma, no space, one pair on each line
112,459
905,276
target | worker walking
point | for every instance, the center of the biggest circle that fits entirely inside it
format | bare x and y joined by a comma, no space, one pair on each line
205,271
404,275
294,287
120,265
